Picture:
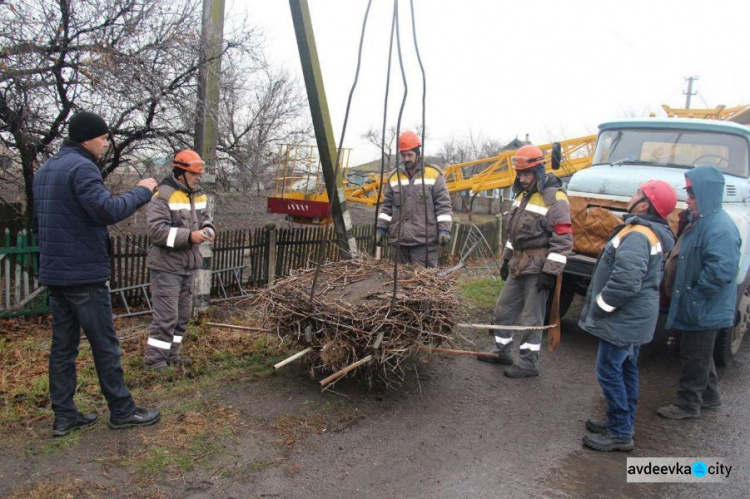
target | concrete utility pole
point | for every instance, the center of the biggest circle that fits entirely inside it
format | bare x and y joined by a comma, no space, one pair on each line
207,128
689,93
323,130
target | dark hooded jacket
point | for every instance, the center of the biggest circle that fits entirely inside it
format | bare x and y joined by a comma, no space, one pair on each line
72,210
705,289
622,303
539,232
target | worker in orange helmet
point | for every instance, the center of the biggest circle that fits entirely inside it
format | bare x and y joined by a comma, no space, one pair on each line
540,237
416,215
178,222
622,306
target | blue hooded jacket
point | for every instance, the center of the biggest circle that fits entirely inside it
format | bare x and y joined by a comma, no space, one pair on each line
72,209
705,289
622,303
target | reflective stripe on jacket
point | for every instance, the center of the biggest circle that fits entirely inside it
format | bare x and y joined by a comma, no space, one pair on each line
172,215
411,196
537,222
622,303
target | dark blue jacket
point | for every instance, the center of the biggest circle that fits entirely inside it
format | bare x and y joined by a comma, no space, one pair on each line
622,303
705,288
72,209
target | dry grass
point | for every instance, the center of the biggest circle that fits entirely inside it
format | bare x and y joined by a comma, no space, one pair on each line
61,490
24,354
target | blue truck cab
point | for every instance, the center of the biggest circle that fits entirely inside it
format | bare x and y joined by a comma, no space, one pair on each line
630,152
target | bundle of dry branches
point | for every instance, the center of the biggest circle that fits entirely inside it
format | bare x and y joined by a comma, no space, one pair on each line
353,305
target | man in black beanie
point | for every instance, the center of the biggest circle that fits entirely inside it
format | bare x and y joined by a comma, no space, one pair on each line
72,210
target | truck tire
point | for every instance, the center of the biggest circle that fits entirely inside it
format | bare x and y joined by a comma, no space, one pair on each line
729,339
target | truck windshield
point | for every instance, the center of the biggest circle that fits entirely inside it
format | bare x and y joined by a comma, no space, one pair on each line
674,148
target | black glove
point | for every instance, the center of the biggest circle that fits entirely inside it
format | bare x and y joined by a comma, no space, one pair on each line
504,270
381,237
444,237
546,282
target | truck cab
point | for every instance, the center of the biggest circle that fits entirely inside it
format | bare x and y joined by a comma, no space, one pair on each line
630,152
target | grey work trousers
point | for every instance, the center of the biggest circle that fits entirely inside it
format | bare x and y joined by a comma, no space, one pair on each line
521,304
172,301
424,255
699,382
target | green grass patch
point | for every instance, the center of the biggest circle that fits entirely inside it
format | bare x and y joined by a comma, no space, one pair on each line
480,292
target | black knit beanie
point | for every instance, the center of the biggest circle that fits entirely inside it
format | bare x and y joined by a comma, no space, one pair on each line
86,126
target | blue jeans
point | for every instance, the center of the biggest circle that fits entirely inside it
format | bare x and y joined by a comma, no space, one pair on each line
617,371
88,307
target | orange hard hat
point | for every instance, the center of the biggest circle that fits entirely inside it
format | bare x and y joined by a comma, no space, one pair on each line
661,195
408,141
527,156
188,160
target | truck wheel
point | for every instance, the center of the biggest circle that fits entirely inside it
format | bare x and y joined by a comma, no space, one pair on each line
729,339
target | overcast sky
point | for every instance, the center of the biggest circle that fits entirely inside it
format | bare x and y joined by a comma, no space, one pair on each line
548,68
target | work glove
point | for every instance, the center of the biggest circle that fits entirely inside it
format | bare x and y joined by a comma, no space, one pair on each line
444,238
546,282
380,237
505,270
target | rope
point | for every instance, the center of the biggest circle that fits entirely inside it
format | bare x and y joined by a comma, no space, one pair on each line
424,107
331,192
382,140
398,157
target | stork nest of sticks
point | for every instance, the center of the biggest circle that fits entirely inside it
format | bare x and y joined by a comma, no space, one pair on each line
353,305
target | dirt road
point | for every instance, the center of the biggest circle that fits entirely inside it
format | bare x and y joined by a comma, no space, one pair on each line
457,428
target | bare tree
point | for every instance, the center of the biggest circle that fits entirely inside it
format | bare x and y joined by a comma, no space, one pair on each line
135,62
260,108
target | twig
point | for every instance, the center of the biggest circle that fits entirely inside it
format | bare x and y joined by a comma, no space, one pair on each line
350,367
293,358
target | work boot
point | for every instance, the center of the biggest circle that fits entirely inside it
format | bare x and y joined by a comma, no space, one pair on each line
711,404
674,411
62,427
504,358
606,442
599,426
141,417
518,372
160,368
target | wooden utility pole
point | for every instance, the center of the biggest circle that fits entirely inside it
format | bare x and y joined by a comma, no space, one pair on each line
323,130
689,93
207,125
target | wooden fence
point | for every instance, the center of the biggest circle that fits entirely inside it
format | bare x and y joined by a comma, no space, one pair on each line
20,293
249,258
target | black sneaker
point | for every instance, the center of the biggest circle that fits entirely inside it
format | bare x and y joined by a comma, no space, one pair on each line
606,442
62,427
141,417
518,372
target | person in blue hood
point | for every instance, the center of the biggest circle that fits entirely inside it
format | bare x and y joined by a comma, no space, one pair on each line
622,306
700,279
